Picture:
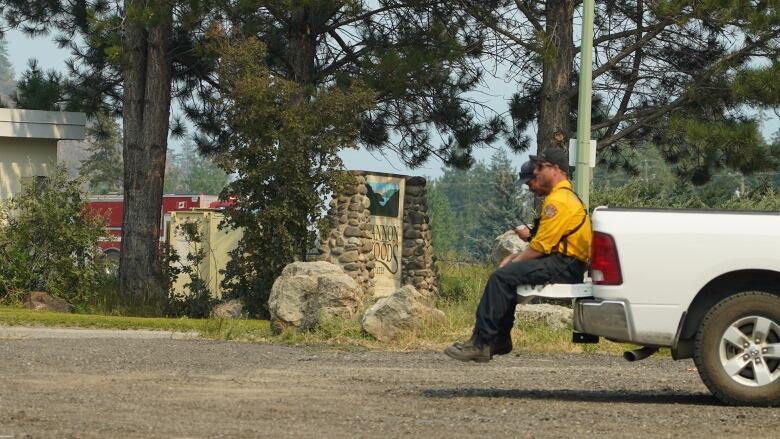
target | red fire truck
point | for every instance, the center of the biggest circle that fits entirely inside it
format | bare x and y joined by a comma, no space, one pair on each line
112,207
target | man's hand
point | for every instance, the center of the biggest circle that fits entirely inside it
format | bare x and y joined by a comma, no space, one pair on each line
523,232
514,257
507,259
526,255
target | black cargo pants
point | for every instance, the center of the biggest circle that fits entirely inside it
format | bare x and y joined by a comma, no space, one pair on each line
496,310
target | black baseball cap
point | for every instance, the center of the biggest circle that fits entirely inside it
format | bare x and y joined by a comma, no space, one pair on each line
526,172
554,156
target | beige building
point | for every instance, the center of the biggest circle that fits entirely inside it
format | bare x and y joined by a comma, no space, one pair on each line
216,244
28,144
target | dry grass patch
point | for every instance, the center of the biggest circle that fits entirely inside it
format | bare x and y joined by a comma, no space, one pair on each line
462,287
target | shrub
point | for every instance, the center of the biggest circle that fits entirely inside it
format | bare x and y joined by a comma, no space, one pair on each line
638,194
768,201
49,243
195,301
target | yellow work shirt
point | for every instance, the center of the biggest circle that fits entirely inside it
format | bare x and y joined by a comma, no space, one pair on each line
561,213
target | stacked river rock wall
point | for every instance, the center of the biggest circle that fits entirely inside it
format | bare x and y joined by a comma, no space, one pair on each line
418,266
349,243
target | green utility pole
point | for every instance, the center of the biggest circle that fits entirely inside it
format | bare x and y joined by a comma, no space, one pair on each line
582,174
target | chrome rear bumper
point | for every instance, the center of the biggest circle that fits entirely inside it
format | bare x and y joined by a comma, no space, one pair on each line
605,318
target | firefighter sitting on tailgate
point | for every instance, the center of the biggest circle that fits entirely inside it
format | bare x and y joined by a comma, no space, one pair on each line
558,253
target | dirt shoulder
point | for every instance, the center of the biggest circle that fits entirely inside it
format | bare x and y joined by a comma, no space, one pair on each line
31,332
202,388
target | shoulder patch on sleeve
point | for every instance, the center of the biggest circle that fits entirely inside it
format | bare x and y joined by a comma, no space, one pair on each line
550,211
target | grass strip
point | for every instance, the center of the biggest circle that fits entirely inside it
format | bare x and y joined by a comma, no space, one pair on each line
212,328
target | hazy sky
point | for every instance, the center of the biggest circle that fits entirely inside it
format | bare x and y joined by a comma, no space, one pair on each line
21,49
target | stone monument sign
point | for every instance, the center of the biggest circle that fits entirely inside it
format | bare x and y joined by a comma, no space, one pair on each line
386,194
380,234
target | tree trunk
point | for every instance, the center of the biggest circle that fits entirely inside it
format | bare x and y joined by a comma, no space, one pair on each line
555,108
302,52
146,111
301,57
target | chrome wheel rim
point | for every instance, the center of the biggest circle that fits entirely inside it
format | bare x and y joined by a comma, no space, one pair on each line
750,351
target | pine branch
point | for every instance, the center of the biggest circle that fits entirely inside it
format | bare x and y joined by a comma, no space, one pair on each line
634,73
609,65
627,33
365,16
492,23
529,15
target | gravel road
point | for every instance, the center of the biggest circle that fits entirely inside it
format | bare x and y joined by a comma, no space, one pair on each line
117,388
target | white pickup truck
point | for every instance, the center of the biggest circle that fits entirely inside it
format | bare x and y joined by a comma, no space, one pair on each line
704,283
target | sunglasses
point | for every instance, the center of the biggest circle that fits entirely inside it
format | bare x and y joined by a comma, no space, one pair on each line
542,165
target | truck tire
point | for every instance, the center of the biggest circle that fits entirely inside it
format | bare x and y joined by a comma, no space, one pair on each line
737,349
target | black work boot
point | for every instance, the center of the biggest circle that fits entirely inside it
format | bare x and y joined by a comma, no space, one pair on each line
502,346
472,350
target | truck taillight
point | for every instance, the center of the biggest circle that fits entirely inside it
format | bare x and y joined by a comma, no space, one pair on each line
605,264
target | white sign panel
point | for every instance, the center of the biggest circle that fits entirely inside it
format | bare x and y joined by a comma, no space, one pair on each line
386,194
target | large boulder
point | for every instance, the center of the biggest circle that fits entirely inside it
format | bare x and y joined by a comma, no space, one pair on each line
555,316
506,244
402,311
308,292
42,301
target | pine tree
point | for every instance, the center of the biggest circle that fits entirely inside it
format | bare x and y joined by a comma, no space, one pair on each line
103,168
7,75
485,201
505,208
677,72
39,90
465,191
443,224
411,54
188,172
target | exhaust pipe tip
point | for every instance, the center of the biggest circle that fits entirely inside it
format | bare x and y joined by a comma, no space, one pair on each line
639,354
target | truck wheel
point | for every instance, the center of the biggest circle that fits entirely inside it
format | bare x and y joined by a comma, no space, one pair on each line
737,349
